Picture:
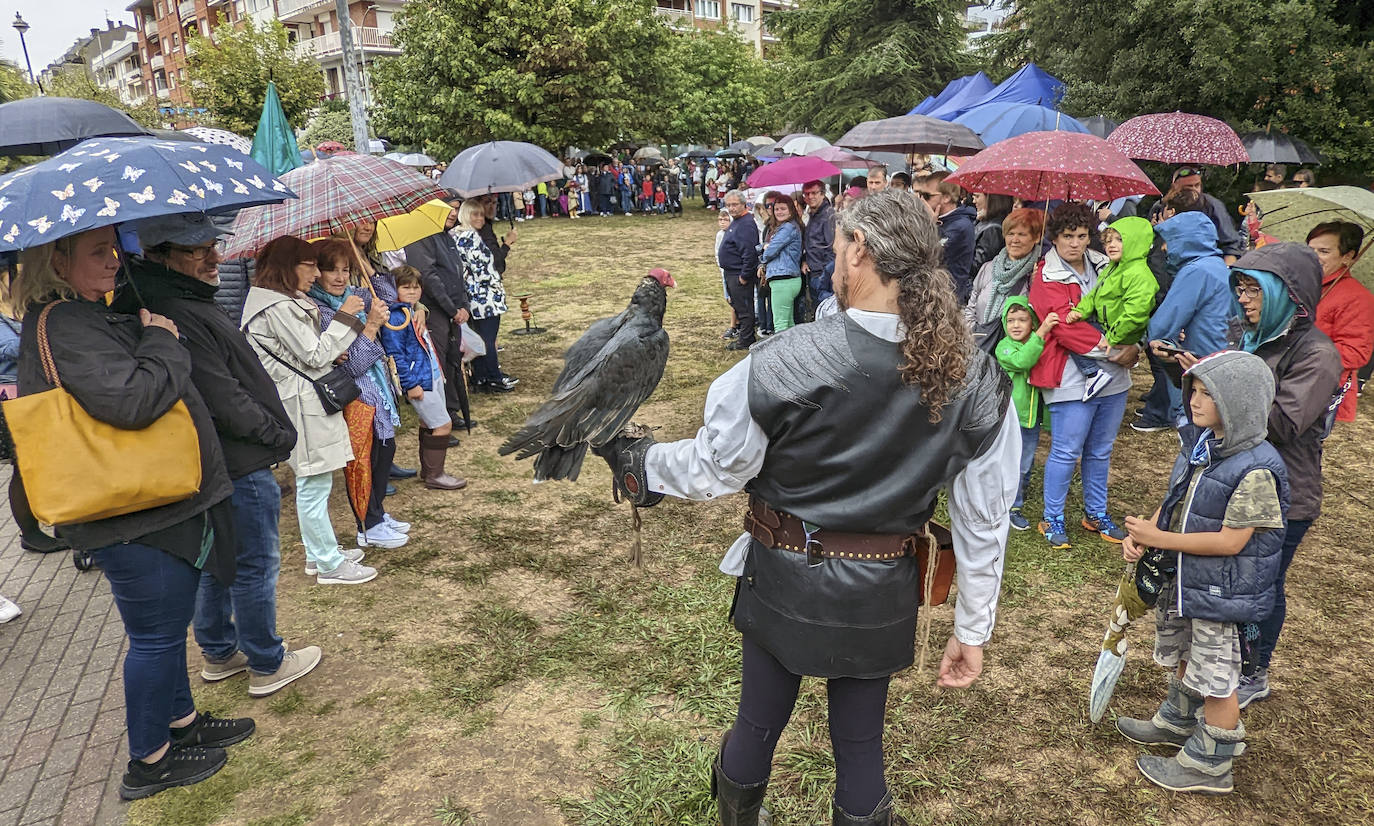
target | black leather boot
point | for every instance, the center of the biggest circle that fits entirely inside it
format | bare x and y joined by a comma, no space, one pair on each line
883,815
737,805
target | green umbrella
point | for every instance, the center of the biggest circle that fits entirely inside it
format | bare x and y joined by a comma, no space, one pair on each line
1289,214
274,144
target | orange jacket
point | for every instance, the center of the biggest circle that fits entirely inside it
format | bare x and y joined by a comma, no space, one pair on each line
1346,314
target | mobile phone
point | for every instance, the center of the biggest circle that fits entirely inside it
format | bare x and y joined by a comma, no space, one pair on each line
1170,350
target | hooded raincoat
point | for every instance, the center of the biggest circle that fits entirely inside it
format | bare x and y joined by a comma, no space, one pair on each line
1125,292
1017,358
1199,304
1346,314
1056,288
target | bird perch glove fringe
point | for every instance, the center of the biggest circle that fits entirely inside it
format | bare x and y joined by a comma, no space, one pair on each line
625,454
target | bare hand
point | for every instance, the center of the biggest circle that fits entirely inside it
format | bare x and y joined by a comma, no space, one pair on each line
352,305
1142,530
155,320
1073,316
806,270
1186,360
742,282
961,664
378,314
1130,551
510,238
1126,356
416,393
1104,212
461,317
1157,347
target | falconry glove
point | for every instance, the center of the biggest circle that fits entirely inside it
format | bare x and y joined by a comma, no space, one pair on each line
625,454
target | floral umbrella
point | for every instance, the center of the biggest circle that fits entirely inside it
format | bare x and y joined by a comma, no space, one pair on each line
1040,166
1177,138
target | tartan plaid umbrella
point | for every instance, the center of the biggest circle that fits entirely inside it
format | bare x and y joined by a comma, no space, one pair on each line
912,134
334,194
1178,137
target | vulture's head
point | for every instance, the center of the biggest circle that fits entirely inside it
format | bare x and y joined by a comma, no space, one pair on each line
652,294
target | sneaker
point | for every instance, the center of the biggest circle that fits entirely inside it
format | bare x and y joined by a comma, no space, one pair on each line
1055,533
731,333
1018,521
209,731
1253,688
739,345
508,382
213,672
1096,383
350,554
8,610
1104,526
395,524
178,767
381,536
1144,425
348,573
294,665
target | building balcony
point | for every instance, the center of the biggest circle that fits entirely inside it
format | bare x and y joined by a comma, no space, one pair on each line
150,29
164,94
133,76
156,62
366,38
187,9
296,11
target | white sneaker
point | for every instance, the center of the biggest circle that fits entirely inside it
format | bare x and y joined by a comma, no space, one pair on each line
1096,384
382,536
8,610
395,524
350,554
348,573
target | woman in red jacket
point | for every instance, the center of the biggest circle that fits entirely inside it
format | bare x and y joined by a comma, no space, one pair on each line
1346,310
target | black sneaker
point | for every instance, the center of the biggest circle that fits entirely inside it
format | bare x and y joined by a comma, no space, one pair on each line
178,767
731,333
210,731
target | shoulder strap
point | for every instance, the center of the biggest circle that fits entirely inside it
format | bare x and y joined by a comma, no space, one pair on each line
283,362
44,351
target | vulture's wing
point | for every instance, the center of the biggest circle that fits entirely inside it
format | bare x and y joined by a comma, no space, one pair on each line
586,347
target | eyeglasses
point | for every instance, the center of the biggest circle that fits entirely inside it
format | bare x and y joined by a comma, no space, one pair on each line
194,253
809,192
929,195
1249,292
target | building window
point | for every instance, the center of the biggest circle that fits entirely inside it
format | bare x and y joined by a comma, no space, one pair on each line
709,9
742,12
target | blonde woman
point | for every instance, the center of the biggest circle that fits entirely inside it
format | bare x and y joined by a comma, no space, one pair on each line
486,295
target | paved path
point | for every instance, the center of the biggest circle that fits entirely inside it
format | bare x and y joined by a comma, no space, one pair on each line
62,740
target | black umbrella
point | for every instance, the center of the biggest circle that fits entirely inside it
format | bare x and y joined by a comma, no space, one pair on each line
597,158
738,149
911,134
1276,147
49,125
1100,125
625,146
701,153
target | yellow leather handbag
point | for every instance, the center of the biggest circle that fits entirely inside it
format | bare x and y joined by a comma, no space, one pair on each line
79,469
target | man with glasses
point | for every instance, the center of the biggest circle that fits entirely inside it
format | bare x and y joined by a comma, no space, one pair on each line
236,627
1228,239
738,257
818,243
956,224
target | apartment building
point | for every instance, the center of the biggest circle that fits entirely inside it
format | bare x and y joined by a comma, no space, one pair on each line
985,17
747,17
164,28
110,57
314,25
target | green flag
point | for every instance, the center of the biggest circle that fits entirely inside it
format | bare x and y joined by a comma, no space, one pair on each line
274,144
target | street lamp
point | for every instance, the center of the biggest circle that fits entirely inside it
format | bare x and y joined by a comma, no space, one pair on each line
22,27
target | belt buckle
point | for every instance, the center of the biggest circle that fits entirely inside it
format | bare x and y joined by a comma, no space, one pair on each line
813,546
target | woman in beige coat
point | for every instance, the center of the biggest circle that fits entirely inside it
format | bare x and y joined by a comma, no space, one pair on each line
283,325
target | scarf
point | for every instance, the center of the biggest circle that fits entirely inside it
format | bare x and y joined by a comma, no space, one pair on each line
1202,451
377,372
1276,314
1005,275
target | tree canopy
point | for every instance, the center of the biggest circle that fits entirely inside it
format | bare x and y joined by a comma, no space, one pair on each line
74,82
715,82
229,75
552,72
329,125
846,61
1297,66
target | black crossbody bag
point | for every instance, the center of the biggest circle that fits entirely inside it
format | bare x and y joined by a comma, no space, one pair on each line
335,388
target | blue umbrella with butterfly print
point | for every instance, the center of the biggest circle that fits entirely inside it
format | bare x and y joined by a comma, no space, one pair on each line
105,181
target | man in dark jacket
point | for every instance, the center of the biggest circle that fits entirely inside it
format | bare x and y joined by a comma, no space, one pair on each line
445,295
1190,178
956,230
235,626
605,188
818,242
738,257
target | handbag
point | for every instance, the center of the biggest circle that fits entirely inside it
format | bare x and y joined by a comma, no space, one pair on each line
335,388
77,468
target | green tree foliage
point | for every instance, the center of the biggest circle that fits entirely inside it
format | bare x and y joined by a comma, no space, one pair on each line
716,82
14,84
329,125
846,61
551,72
229,75
74,82
1298,66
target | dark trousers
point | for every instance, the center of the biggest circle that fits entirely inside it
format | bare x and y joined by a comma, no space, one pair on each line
742,301
1273,624
486,368
856,708
156,596
383,451
445,335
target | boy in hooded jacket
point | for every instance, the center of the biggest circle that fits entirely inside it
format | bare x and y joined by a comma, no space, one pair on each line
1018,351
1223,517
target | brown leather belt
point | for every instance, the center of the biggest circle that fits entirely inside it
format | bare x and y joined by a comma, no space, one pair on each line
779,529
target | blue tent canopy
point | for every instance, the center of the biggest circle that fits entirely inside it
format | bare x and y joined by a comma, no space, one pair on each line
922,107
1030,84
966,88
995,122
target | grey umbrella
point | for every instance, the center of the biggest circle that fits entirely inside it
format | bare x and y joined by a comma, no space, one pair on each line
1276,147
500,166
49,125
738,149
1100,125
911,134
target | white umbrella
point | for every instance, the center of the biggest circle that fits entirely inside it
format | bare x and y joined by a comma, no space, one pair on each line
221,137
760,140
804,145
416,159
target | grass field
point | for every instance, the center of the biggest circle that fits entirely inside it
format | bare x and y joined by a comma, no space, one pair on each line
510,667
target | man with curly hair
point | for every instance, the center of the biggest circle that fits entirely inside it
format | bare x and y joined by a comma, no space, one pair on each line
850,428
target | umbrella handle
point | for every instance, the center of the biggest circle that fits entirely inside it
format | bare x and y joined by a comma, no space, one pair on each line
124,270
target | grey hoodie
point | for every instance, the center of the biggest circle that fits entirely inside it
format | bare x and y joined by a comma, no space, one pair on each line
1242,386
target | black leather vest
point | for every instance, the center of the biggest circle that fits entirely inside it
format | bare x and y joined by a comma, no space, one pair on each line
852,448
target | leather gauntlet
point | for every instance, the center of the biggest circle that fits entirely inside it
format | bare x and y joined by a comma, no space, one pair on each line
625,455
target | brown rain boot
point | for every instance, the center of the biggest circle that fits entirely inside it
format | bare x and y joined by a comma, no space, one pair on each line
433,450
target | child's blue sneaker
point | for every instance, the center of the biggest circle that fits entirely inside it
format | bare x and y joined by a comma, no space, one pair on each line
1055,532
1103,525
1018,520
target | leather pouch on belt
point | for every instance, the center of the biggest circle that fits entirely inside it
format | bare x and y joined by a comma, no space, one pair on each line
944,564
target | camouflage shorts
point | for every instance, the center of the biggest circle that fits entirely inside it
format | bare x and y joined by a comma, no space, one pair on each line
1212,649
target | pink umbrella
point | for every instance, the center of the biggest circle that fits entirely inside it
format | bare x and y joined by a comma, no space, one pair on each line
796,170
842,158
1178,137
1041,166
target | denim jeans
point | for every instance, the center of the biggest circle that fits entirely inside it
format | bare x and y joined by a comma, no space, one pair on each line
627,202
312,512
1164,402
156,596
1087,431
487,368
243,617
1030,440
763,307
1273,624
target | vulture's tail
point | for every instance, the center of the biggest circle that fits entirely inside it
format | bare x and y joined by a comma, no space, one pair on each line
560,462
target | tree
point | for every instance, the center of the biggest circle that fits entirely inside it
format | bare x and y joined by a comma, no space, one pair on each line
551,72
716,82
229,74
13,83
1299,66
329,125
846,61
74,82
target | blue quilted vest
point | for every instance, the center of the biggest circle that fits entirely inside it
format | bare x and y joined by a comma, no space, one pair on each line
1238,588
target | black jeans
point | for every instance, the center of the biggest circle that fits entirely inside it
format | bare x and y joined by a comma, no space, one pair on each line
856,709
383,451
742,300
1272,626
486,368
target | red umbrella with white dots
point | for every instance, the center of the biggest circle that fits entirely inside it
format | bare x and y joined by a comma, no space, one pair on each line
1179,137
1043,166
